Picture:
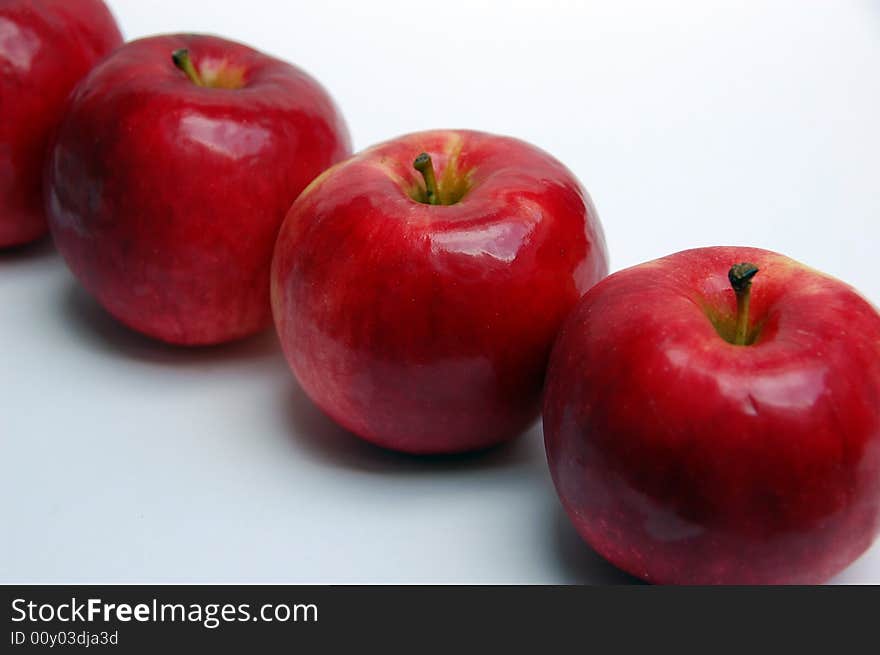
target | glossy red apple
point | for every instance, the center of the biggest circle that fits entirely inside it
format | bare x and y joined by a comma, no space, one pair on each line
170,177
418,309
46,46
684,457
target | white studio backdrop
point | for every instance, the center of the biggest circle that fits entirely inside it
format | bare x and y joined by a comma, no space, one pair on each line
691,123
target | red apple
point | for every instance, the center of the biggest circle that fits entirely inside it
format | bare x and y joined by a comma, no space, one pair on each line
702,435
170,177
419,313
46,46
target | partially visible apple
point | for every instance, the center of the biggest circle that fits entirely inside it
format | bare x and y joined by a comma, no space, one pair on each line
170,177
46,46
416,307
700,434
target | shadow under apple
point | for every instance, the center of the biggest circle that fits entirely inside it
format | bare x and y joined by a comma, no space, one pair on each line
578,562
98,330
323,440
27,253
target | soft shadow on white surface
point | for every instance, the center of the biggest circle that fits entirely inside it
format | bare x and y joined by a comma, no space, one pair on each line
27,254
326,442
96,329
579,563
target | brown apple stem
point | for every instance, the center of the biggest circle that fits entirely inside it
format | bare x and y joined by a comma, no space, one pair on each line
740,276
425,166
182,60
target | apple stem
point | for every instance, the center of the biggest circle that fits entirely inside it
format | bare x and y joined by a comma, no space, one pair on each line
740,276
425,166
182,60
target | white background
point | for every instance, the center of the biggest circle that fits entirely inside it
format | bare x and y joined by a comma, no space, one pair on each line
691,122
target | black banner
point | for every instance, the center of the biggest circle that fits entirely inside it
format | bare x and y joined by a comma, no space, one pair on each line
412,619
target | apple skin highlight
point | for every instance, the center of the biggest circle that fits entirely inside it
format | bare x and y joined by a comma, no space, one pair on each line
426,328
46,47
165,197
683,458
